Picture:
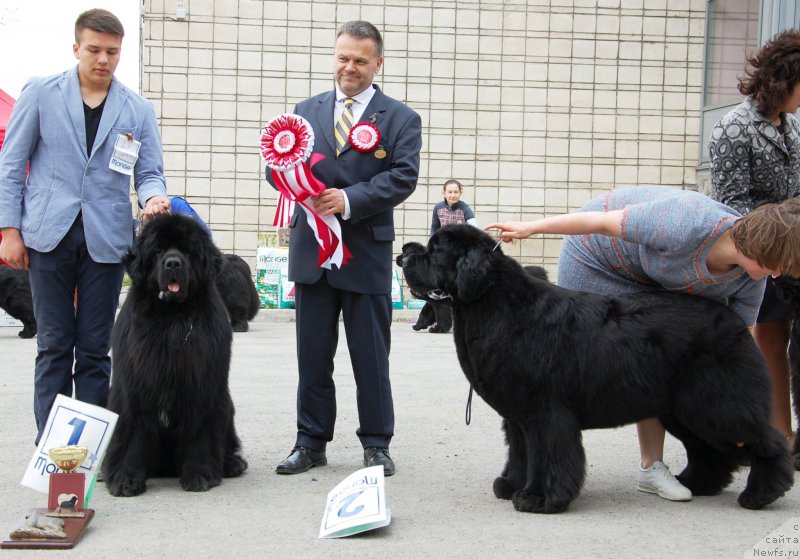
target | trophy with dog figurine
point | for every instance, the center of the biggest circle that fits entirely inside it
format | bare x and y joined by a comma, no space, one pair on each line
61,524
66,496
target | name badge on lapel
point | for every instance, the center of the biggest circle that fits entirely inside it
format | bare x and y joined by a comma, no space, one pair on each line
126,152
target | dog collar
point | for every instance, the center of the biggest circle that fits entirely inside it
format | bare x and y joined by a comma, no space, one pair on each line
439,295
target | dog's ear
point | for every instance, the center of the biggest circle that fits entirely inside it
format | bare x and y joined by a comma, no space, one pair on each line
471,274
134,262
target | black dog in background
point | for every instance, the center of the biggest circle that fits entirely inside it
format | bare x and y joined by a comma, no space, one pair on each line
239,293
16,300
436,317
171,353
789,291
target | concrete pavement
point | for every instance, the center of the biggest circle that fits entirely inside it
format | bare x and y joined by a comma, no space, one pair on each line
441,497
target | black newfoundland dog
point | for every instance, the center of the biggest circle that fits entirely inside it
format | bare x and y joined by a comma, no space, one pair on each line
16,300
171,351
239,293
552,362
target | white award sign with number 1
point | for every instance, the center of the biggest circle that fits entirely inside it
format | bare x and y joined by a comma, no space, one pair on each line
356,505
71,422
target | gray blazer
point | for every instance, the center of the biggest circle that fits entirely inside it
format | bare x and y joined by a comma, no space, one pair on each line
47,128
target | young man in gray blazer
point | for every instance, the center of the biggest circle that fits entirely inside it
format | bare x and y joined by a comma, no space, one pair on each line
363,186
69,221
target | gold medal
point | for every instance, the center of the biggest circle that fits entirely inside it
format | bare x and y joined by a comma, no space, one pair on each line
380,153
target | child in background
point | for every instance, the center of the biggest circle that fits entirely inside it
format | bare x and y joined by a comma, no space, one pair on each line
451,209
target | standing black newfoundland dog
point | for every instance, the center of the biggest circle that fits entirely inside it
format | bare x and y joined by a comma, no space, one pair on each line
552,362
171,352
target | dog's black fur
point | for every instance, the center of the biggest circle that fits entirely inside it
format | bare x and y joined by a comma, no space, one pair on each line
552,362
788,289
16,300
171,351
239,293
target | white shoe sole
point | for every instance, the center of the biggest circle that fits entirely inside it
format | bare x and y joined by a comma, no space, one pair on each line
650,489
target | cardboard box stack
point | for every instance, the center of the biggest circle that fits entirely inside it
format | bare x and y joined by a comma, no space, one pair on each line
272,261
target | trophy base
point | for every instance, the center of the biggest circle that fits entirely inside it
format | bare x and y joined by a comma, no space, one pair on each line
66,513
73,527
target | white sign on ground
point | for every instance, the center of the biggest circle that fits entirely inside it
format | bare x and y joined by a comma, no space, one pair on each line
356,504
71,422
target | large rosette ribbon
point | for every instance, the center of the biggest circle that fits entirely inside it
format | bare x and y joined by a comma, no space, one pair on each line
286,145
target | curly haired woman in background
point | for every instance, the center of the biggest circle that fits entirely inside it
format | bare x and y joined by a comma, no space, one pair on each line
755,160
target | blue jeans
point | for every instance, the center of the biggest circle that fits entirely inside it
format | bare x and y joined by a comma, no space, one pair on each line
73,340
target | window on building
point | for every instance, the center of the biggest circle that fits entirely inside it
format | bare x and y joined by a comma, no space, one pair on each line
734,27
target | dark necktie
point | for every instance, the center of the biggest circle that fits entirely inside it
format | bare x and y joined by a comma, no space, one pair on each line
342,129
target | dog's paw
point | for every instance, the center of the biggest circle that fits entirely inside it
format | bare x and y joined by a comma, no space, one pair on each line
702,487
435,329
123,485
241,326
417,327
198,481
234,465
26,333
527,502
502,488
755,500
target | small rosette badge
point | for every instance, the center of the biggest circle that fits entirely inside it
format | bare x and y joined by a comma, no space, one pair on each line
286,141
364,137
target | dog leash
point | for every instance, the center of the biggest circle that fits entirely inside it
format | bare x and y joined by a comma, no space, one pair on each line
468,413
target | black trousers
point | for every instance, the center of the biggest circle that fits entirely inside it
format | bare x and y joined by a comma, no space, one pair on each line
73,342
367,323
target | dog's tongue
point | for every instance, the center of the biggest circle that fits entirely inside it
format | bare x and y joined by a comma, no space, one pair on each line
174,287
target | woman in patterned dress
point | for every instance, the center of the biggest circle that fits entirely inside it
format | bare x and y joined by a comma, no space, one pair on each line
755,160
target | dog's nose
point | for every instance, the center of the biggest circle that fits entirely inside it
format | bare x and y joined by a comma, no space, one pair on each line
173,263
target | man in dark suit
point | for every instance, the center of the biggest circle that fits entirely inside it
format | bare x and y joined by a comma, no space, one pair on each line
363,185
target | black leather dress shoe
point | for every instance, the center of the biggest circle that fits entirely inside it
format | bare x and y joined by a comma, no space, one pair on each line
375,456
301,459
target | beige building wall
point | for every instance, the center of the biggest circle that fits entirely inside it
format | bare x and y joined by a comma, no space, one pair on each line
534,106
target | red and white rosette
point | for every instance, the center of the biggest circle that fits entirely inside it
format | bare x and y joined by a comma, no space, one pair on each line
364,137
286,145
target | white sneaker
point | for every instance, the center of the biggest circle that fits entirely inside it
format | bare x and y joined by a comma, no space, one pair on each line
659,480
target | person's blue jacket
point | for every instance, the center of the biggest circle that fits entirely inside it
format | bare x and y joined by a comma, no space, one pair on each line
180,206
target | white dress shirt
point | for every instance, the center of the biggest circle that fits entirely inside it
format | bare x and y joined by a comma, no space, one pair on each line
360,104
